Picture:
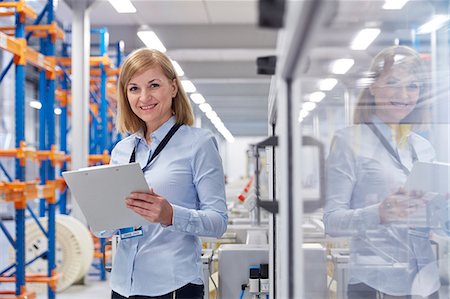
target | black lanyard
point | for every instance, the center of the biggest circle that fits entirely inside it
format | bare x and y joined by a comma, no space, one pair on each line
158,149
390,149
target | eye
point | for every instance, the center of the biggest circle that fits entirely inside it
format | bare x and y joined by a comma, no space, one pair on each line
154,85
392,83
132,89
413,86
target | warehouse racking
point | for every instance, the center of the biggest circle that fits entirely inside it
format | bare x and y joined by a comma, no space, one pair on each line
50,187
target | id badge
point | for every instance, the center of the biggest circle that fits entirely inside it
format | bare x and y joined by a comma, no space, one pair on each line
130,232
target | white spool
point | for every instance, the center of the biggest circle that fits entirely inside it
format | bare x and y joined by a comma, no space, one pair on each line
73,255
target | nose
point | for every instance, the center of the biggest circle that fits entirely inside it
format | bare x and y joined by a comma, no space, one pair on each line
145,94
403,92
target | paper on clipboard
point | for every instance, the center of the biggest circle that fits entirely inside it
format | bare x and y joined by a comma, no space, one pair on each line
429,177
100,191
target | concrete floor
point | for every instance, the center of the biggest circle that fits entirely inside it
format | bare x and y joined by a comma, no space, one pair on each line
92,289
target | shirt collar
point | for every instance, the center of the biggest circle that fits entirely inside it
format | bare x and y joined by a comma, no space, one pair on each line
382,127
157,135
162,131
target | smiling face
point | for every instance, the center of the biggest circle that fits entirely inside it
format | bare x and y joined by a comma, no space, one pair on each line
396,92
150,96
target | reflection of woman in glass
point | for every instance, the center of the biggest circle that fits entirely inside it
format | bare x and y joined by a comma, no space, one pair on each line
390,253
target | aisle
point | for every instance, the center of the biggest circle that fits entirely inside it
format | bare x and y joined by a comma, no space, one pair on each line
93,289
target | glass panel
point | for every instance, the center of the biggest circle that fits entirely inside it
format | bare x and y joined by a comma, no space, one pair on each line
381,111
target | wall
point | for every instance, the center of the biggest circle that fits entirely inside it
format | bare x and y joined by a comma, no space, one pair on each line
235,157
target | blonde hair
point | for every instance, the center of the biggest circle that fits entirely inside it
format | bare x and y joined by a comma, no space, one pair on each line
408,59
137,62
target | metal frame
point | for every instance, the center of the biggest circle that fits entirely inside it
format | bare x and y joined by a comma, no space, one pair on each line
43,60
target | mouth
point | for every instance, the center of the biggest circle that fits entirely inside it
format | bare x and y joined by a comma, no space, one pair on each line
400,104
148,107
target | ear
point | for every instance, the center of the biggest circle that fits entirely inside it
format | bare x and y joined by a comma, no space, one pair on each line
174,88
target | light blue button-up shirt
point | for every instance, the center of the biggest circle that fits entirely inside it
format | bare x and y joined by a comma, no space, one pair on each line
188,173
396,259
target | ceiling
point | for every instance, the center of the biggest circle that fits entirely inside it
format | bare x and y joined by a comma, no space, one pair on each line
328,34
215,42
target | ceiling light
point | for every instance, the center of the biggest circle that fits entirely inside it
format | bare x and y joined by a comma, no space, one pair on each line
151,40
364,38
123,6
229,137
303,113
217,122
178,68
205,107
341,66
188,86
432,25
327,84
57,111
394,4
211,114
121,46
317,96
35,104
197,98
309,106
226,134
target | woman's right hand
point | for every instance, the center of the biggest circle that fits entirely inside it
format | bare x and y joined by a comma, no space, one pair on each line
400,205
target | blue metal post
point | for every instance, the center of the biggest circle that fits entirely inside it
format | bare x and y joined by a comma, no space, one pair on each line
120,51
415,40
102,265
42,136
20,172
63,132
50,117
103,101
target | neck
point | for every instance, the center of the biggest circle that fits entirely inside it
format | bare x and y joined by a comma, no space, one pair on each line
386,119
153,126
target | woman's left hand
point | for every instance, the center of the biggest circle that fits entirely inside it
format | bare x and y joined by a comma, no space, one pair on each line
151,206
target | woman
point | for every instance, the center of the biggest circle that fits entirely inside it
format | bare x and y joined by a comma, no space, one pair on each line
390,251
187,194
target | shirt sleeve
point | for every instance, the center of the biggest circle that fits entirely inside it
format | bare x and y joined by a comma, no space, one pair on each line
210,219
340,219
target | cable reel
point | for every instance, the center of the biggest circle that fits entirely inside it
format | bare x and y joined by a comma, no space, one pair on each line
74,251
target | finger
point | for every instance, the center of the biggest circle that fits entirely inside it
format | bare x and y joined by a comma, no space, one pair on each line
142,196
139,195
139,203
146,214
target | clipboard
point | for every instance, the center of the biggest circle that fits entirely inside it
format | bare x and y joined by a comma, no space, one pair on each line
100,191
429,177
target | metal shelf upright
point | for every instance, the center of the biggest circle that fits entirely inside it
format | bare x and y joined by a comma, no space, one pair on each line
101,132
19,191
103,77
